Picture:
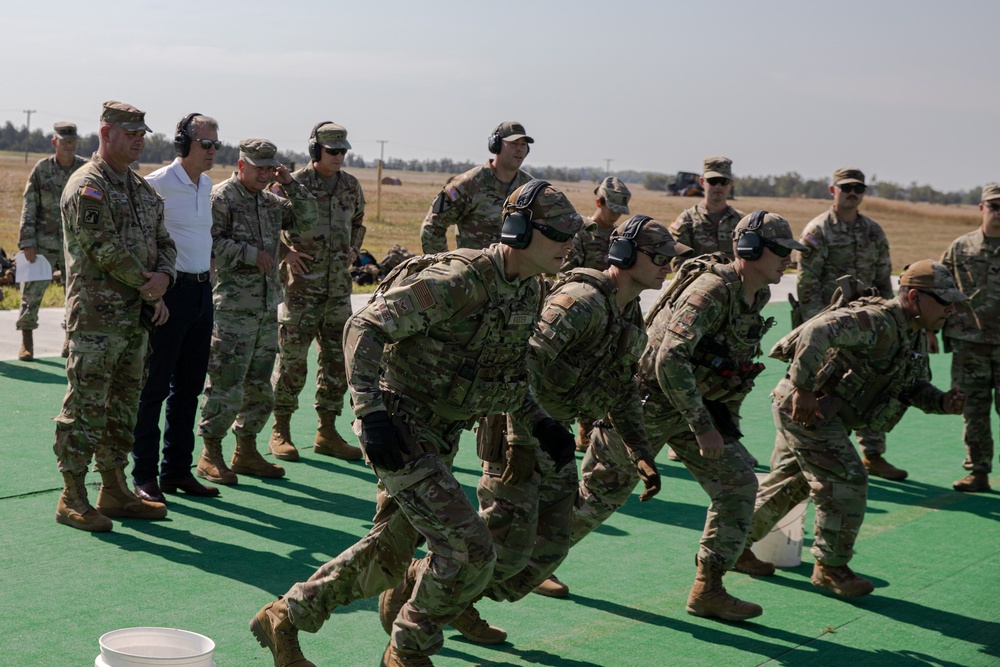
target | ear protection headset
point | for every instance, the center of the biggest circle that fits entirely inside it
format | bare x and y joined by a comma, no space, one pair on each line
182,137
495,142
516,229
749,244
622,252
315,150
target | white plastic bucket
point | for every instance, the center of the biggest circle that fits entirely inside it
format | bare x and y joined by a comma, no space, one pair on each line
162,647
783,545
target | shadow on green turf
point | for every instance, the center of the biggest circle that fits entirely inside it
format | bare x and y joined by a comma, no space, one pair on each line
39,371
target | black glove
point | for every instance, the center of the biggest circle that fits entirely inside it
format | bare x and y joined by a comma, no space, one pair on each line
382,442
650,477
555,441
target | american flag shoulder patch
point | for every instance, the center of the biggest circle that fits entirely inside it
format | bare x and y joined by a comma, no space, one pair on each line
810,239
452,192
92,192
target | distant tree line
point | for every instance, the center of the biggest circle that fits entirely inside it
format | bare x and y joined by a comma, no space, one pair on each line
160,148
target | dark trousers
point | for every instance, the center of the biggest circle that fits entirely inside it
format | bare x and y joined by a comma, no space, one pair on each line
178,362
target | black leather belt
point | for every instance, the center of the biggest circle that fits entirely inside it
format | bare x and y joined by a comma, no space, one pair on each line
193,277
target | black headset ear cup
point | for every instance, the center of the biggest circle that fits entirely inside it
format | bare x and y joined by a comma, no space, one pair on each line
623,250
494,142
516,229
182,137
315,150
749,245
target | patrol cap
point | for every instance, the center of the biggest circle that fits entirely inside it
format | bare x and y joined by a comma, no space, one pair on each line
773,228
615,194
125,115
331,135
717,166
550,207
66,131
512,130
259,152
991,192
931,276
653,236
846,175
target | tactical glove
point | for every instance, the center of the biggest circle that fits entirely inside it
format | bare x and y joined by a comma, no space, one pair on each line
382,442
650,477
520,465
555,441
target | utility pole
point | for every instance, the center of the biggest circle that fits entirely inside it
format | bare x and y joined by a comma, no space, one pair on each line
27,135
607,169
378,186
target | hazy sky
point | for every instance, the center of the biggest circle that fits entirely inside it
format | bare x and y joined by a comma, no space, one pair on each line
907,90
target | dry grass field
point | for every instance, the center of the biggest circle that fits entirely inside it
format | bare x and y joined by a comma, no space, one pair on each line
915,231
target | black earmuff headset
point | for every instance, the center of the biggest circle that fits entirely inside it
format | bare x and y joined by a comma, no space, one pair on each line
315,150
516,229
750,244
182,136
623,250
495,142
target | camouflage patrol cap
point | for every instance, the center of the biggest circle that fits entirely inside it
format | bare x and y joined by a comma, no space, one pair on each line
550,207
653,236
511,130
772,227
615,194
991,192
259,152
717,166
931,276
331,135
846,175
124,115
65,131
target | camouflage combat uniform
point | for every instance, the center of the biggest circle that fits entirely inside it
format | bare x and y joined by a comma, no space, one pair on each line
238,390
473,202
590,248
973,335
41,228
318,303
113,231
695,229
872,338
436,349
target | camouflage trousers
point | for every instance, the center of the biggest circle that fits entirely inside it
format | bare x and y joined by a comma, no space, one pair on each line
106,373
608,478
321,319
238,388
421,500
871,442
975,367
818,462
33,292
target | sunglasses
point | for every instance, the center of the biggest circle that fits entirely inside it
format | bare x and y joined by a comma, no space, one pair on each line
776,248
719,180
993,206
658,259
855,188
552,233
335,151
941,302
208,143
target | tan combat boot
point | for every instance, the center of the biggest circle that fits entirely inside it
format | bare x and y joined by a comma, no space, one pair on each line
709,597
74,509
212,465
248,461
329,443
392,600
748,563
841,580
281,440
275,632
116,500
27,352
476,629
974,483
552,588
393,658
876,465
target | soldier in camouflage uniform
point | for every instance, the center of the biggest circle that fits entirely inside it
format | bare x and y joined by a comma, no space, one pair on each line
440,343
119,263
473,201
318,300
840,242
973,336
860,365
41,226
247,220
708,226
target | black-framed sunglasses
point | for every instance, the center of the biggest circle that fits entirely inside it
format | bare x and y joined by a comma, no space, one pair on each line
552,233
335,151
941,302
853,188
658,258
206,144
776,248
719,180
993,206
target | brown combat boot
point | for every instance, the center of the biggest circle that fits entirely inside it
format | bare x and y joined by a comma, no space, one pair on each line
476,629
841,580
392,600
281,440
275,632
973,483
116,500
74,509
248,461
748,563
709,597
552,588
329,443
212,465
393,658
879,467
583,428
27,352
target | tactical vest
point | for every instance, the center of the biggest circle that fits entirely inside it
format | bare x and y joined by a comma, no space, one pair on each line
483,372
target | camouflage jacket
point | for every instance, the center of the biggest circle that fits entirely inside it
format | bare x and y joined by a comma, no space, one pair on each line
244,222
711,309
472,201
590,248
113,231
976,268
693,228
584,355
452,336
837,248
41,219
339,227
